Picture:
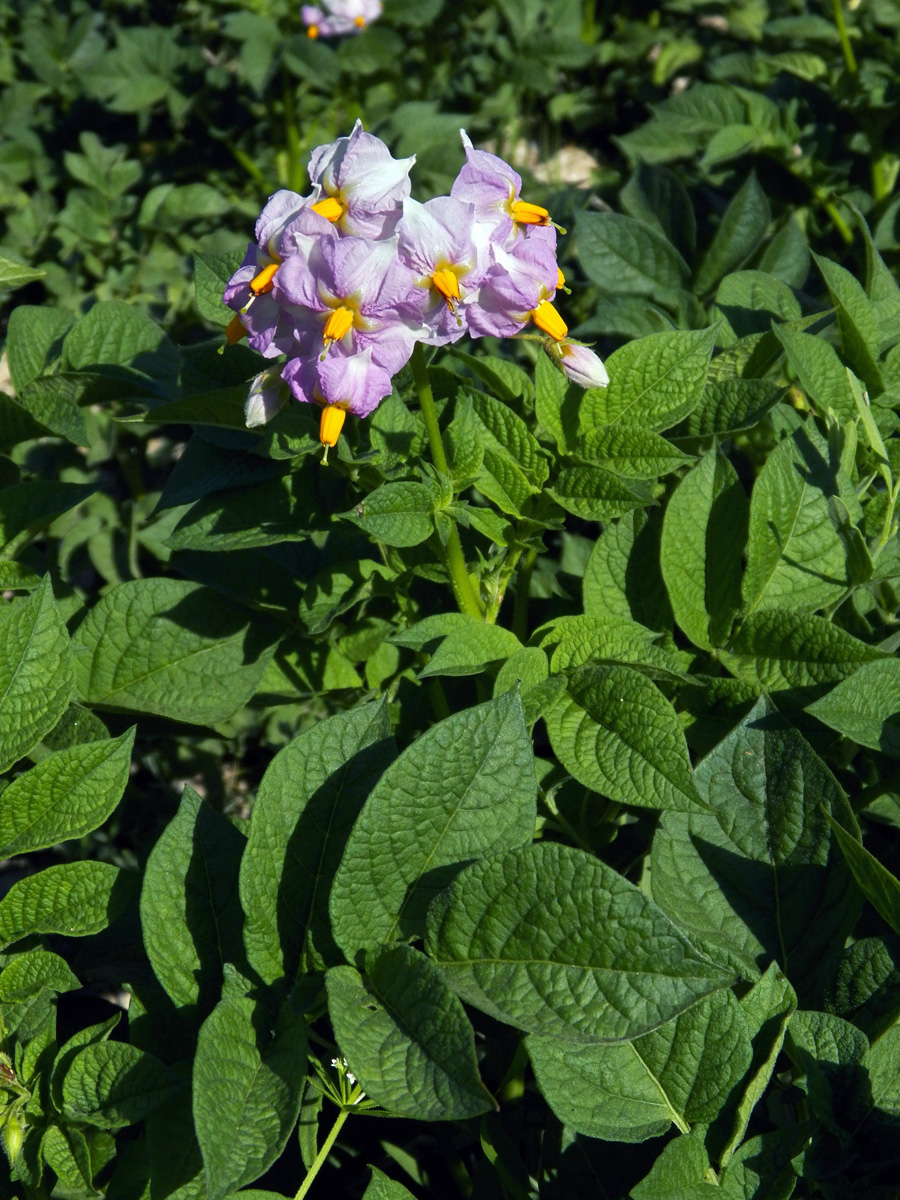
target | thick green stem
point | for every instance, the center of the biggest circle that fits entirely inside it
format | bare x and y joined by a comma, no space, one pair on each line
849,56
465,595
323,1153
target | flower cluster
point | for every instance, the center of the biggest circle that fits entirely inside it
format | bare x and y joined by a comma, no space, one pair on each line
337,18
345,281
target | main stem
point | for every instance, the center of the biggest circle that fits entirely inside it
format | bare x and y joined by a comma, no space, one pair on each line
849,56
453,552
323,1153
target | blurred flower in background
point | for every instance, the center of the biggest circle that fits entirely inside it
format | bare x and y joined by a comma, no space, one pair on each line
338,18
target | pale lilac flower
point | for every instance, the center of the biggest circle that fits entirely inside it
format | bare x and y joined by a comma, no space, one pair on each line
338,18
436,243
267,396
358,185
519,287
266,315
355,293
351,381
580,364
494,189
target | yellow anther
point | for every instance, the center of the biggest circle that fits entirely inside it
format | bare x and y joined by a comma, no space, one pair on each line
524,213
560,278
360,21
263,282
329,208
447,284
312,31
547,318
340,321
330,426
235,330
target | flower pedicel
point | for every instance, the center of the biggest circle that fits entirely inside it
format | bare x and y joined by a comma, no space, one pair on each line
345,281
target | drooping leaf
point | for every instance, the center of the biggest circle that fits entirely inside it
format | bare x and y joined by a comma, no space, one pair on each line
760,871
700,553
776,649
36,675
879,885
247,1082
550,940
309,798
190,913
406,1037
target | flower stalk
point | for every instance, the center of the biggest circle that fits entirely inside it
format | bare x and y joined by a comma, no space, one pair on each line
464,593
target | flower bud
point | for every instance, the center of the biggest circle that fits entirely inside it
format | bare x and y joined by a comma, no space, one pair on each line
268,394
579,363
12,1136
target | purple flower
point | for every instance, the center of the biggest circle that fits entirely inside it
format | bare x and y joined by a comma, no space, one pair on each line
436,242
354,293
519,287
580,364
337,18
358,185
341,382
268,318
493,188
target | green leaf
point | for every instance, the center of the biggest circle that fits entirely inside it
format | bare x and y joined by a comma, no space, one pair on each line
828,1051
752,302
111,1084
27,508
406,1037
768,1007
882,1062
865,707
631,452
469,649
211,275
680,1073
277,510
398,514
657,197
65,796
759,872
513,467
778,649
703,536
247,1084
381,1186
23,975
865,988
119,341
877,884
576,641
795,556
637,257
730,405
36,674
75,899
681,1172
169,647
764,1166
190,913
860,335
66,1152
623,578
654,382
741,231
310,796
550,940
556,403
15,274
465,787
616,733
820,372
57,401
595,494
31,335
